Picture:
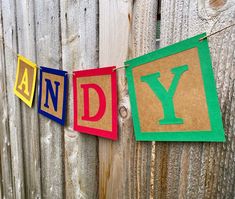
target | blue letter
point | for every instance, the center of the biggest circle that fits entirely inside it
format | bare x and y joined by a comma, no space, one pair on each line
54,95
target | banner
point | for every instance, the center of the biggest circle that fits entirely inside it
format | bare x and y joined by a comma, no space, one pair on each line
25,80
95,102
173,94
53,94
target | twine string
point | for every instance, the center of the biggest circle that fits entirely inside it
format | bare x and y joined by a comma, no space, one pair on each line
216,32
119,67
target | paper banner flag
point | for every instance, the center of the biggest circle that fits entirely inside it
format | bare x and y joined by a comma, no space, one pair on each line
53,94
25,80
95,102
173,94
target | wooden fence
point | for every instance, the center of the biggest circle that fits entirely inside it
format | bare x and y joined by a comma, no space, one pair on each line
41,159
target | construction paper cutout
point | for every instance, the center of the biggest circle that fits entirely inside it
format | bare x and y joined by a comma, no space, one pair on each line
25,80
173,94
95,102
53,94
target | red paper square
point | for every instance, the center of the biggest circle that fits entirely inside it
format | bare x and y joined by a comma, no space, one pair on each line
95,102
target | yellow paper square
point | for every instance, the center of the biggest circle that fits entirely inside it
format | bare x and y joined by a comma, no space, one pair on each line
25,80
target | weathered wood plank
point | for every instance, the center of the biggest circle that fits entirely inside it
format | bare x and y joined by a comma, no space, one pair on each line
200,170
222,46
79,24
30,133
114,30
13,114
143,41
5,148
48,53
1,194
125,164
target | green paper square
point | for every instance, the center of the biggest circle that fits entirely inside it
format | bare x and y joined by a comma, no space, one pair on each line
214,131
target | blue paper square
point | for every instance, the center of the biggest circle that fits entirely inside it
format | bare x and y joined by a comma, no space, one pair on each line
52,103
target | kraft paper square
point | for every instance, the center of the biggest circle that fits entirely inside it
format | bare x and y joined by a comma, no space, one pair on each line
25,80
95,102
53,94
173,94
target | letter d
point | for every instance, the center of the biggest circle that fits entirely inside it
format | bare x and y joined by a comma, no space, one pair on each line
102,102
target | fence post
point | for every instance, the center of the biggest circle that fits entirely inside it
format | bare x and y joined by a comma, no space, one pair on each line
79,24
127,29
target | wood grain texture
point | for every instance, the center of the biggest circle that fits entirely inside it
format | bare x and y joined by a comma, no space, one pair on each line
200,170
114,30
1,179
125,165
48,53
13,114
79,24
143,41
5,148
30,125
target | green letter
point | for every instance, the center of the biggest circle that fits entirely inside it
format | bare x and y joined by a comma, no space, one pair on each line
166,96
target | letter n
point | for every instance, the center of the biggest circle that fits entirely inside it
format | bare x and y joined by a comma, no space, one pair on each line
53,93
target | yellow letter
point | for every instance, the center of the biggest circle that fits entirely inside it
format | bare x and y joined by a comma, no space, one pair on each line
25,82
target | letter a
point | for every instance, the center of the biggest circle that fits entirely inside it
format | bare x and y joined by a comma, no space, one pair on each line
102,102
54,95
166,96
25,82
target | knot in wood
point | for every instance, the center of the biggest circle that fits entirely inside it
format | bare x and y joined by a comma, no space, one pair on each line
216,4
123,112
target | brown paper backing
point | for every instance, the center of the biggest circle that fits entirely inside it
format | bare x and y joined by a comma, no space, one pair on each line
189,99
51,110
104,81
22,68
